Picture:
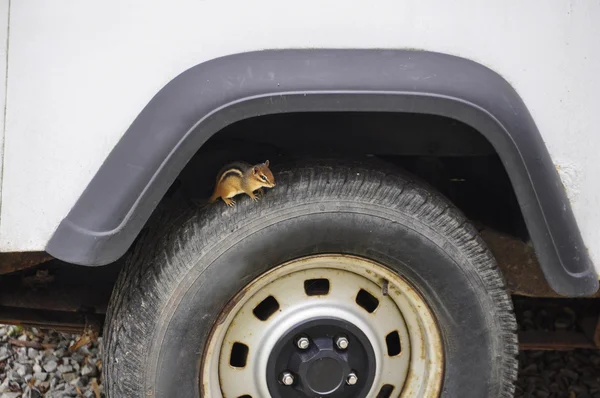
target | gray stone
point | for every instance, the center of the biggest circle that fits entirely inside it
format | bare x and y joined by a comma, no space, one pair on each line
13,375
43,385
531,368
83,382
10,395
50,366
23,369
22,354
579,390
85,350
37,368
32,353
3,331
89,370
65,368
42,376
70,391
569,373
4,386
89,394
59,353
50,357
22,337
69,377
77,357
12,384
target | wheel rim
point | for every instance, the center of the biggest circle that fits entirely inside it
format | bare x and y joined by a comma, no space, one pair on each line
283,335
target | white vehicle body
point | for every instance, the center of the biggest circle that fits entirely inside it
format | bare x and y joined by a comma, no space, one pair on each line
76,75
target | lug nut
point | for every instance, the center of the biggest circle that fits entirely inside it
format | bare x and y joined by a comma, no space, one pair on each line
341,342
287,378
303,343
352,379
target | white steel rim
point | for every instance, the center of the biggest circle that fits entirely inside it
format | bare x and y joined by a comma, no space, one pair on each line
415,372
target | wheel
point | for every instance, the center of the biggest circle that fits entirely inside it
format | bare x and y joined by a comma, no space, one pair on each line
346,280
325,325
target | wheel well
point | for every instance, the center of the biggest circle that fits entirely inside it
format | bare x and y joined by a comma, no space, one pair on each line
450,155
204,100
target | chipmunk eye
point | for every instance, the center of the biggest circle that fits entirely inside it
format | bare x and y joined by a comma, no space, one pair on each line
264,178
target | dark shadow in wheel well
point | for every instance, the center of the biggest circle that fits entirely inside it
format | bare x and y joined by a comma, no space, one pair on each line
451,156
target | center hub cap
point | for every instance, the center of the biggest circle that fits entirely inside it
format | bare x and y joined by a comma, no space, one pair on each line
324,375
338,361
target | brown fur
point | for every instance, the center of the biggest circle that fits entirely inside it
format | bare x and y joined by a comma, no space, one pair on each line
240,177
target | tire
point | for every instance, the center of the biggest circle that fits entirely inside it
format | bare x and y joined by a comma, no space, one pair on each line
179,278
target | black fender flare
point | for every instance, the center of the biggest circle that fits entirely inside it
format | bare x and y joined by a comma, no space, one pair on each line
118,201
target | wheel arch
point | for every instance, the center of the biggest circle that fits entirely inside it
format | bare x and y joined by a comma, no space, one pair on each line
198,103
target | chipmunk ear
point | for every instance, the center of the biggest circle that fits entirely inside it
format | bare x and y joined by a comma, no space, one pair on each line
255,170
267,163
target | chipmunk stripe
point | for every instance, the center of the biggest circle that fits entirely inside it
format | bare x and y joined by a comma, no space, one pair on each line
229,173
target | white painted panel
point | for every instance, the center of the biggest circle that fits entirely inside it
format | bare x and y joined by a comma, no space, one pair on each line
4,6
80,72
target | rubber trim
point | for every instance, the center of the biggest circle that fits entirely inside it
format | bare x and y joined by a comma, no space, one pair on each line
202,100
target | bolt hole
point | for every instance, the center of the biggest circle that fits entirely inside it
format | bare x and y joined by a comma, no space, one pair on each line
392,341
316,287
266,308
386,391
245,396
239,355
367,301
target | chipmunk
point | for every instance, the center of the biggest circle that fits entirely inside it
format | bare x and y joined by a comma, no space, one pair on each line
241,177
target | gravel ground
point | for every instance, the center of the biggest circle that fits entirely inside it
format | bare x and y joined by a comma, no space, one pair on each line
50,364
571,374
35,364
